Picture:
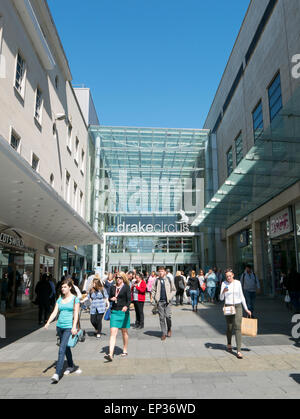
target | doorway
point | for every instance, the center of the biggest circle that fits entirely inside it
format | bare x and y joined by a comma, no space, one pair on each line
284,257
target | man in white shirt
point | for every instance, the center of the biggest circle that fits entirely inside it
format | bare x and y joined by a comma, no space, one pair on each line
251,286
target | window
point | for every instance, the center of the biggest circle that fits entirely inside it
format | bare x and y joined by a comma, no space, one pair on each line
229,162
56,82
69,139
38,105
20,75
275,98
15,141
67,190
81,204
76,158
82,161
52,179
75,189
35,162
239,149
258,121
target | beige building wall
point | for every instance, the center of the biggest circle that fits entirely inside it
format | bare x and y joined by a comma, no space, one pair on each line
48,137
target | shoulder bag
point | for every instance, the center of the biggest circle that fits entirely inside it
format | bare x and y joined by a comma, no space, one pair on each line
80,335
230,309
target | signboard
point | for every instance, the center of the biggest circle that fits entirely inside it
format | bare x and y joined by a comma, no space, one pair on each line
281,223
243,238
152,228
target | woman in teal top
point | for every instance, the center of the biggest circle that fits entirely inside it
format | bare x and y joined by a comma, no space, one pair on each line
67,306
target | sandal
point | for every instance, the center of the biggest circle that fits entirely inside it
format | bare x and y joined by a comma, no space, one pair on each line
108,358
239,355
124,354
229,348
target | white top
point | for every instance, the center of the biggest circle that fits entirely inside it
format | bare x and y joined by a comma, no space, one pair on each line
236,288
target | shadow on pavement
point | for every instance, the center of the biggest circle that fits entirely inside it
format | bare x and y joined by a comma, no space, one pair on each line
273,317
20,325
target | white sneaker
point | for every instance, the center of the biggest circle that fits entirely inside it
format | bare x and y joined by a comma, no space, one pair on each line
98,336
78,371
70,370
55,378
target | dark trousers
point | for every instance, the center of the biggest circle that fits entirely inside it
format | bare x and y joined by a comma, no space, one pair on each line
44,310
139,312
64,350
96,320
179,296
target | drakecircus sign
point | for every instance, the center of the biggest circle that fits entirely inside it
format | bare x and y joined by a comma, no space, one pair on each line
152,228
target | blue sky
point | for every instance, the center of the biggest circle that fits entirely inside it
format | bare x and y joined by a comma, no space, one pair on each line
151,63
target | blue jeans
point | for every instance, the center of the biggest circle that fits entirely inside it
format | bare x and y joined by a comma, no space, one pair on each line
64,350
202,294
194,297
250,297
211,291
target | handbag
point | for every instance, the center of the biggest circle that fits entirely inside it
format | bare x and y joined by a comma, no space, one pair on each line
287,298
230,309
187,291
80,335
108,313
249,327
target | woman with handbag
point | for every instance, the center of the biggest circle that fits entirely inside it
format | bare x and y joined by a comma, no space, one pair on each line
120,296
193,283
67,307
232,293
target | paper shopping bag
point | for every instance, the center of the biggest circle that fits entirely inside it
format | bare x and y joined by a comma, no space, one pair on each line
249,327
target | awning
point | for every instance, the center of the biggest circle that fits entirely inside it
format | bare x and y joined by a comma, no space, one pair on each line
29,204
271,166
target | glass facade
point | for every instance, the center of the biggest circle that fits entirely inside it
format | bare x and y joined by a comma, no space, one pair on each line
148,186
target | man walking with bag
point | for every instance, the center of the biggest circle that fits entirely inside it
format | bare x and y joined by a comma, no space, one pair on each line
250,285
163,291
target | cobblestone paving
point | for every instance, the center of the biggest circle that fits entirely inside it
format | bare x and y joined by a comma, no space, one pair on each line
191,364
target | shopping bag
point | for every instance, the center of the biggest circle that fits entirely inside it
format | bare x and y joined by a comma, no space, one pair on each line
249,327
287,298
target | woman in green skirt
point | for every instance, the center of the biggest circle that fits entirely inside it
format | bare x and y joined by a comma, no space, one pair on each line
120,296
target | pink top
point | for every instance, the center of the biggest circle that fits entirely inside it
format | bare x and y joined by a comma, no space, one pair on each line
150,283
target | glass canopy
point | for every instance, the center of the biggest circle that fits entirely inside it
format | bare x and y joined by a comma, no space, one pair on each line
148,162
271,166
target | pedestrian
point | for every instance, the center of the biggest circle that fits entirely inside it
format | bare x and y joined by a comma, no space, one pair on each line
250,286
180,287
201,278
292,284
67,307
43,292
163,291
99,303
88,282
53,294
151,280
120,296
138,296
232,292
211,284
110,281
194,287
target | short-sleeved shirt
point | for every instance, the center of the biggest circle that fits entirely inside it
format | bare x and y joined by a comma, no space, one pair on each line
65,318
98,301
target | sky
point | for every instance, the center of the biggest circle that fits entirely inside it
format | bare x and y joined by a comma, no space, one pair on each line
149,63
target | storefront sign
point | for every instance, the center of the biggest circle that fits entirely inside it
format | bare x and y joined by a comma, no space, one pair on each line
11,241
281,223
243,238
152,228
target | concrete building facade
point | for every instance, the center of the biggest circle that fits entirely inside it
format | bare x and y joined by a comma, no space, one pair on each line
255,107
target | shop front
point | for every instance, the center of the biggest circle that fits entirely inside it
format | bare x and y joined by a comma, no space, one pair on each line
73,261
17,266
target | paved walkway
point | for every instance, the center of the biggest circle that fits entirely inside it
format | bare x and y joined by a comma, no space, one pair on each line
192,364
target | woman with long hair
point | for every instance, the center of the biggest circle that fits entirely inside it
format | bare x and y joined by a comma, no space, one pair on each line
99,303
120,297
67,307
